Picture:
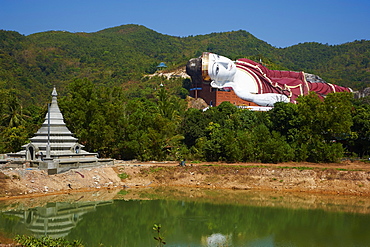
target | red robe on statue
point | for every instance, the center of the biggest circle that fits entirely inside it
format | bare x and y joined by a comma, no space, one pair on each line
290,83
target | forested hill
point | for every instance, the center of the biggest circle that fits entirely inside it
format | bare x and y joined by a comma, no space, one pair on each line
121,55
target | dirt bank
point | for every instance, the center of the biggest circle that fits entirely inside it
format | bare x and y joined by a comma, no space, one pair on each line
20,182
352,178
345,178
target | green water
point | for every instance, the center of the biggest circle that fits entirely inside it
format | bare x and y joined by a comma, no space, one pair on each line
210,220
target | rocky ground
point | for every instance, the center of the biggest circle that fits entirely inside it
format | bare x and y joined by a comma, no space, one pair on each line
348,177
16,182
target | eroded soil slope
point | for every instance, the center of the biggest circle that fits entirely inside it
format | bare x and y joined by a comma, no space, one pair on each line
343,178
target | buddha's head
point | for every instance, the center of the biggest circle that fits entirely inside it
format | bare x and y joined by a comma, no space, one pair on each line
212,68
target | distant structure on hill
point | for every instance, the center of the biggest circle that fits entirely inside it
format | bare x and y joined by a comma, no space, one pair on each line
362,93
161,65
53,146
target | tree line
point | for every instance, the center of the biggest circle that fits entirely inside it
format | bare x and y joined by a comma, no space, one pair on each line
158,125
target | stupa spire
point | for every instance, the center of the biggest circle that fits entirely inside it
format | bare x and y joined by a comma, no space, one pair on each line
54,93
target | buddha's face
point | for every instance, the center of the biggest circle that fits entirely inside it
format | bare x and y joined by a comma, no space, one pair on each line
220,69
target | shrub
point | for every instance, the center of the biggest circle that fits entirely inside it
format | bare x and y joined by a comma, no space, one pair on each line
46,241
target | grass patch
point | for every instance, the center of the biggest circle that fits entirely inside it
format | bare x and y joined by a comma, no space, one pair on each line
257,166
300,168
155,169
123,175
46,241
123,192
210,165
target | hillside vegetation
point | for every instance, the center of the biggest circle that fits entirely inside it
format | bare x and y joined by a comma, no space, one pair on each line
114,108
117,56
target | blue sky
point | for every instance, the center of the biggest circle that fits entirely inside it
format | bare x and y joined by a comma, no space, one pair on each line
280,23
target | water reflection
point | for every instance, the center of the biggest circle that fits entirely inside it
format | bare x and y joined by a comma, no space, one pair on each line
54,219
193,217
217,239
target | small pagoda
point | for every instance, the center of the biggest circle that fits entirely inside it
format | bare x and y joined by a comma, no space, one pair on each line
54,147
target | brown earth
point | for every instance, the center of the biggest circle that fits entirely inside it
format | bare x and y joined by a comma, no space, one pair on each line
348,177
352,178
20,182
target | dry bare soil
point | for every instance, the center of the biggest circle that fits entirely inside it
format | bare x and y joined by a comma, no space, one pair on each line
352,178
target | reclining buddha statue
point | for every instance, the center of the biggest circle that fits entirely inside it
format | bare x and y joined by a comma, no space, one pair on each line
254,82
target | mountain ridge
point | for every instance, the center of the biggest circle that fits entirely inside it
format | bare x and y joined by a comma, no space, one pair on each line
33,64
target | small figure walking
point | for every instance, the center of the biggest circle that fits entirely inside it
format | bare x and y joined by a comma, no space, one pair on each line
182,163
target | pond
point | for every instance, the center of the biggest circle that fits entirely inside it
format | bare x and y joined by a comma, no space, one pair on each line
192,217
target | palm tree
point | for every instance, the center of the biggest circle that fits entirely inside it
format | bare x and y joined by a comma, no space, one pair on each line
13,114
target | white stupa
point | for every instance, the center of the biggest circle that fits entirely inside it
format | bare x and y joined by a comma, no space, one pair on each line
54,146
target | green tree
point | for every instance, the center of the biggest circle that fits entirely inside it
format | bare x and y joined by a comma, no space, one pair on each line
338,117
321,124
270,147
12,139
193,126
361,129
284,119
13,114
213,148
93,113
